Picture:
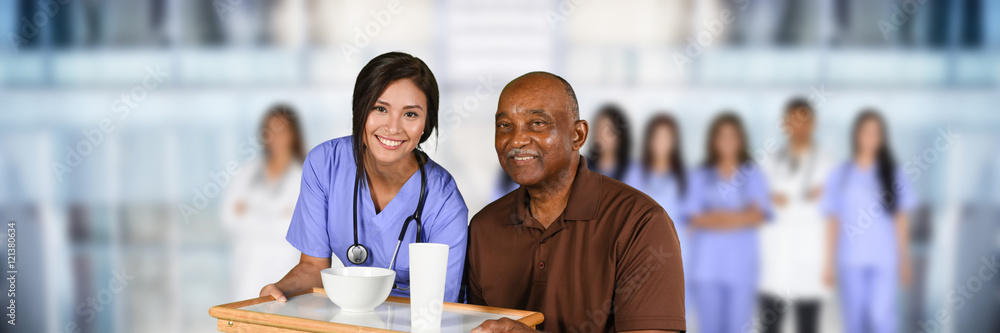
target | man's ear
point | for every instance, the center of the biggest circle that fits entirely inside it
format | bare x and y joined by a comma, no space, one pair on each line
580,130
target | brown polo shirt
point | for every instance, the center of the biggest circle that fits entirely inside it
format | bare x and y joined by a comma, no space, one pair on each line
611,261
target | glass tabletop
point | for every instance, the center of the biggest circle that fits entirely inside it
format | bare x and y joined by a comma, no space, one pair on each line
390,315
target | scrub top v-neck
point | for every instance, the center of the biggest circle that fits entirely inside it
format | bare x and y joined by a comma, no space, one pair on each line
323,221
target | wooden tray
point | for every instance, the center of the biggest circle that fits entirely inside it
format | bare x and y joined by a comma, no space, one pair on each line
314,312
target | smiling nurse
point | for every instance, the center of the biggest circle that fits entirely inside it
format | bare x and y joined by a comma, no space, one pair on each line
357,191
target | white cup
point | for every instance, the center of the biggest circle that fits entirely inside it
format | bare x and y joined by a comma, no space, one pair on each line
428,270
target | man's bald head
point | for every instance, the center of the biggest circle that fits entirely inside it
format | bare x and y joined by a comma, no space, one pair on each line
538,130
546,79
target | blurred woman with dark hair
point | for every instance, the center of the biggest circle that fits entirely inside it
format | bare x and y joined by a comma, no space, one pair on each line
661,174
610,154
867,203
361,192
729,202
259,202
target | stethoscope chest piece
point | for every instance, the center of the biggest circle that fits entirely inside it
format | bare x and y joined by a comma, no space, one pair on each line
357,254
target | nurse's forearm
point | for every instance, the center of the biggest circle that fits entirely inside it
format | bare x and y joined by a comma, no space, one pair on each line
903,235
831,250
752,217
729,220
708,220
304,276
712,220
903,241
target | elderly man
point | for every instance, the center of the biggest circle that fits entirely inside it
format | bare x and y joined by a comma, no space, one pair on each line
588,252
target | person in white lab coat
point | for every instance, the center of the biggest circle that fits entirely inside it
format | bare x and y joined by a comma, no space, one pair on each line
792,247
259,203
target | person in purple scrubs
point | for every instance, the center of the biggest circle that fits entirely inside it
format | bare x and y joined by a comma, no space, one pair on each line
729,201
867,200
395,109
662,176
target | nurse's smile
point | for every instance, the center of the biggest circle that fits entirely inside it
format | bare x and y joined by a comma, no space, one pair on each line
389,143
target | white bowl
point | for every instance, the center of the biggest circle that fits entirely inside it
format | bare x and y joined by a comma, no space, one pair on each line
357,289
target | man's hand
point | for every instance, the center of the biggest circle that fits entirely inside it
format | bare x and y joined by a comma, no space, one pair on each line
502,325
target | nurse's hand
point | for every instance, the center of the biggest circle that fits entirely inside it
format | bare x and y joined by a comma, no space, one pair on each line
829,276
502,325
240,208
273,291
905,274
779,199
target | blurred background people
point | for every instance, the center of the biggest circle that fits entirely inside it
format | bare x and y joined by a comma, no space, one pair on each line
792,245
662,175
867,201
729,203
610,154
259,203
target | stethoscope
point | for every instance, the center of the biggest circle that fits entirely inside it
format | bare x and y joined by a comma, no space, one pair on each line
358,254
792,164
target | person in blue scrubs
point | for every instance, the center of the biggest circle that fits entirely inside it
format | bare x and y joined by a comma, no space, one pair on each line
395,109
661,174
729,202
866,204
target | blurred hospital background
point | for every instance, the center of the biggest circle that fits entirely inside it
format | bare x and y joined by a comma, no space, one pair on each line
119,120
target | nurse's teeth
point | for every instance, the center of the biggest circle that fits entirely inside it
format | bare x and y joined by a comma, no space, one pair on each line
389,143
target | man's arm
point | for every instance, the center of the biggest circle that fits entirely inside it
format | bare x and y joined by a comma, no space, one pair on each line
649,275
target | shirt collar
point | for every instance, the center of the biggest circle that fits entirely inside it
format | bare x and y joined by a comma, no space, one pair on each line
584,197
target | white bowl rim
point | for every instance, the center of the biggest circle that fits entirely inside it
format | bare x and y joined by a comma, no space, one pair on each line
384,272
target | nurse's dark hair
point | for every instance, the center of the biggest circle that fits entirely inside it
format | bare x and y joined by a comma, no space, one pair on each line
725,118
371,83
616,115
885,162
676,158
798,104
286,112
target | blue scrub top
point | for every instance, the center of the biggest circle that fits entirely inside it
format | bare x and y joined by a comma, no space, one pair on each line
731,256
323,219
867,230
665,190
